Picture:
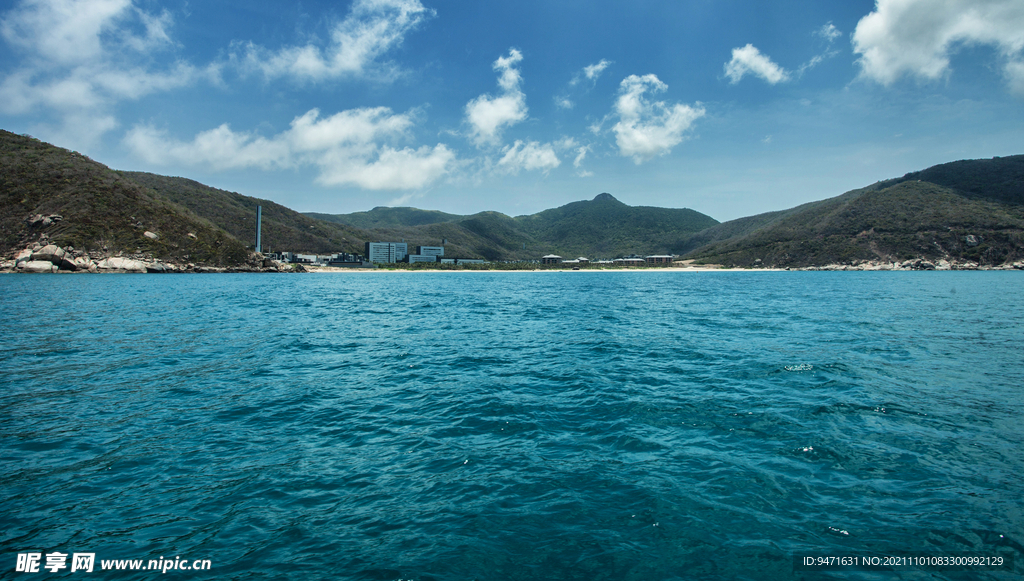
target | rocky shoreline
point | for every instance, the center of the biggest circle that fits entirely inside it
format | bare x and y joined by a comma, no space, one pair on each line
50,258
917,264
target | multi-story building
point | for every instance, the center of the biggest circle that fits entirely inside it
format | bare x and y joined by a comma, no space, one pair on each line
430,250
386,251
660,259
414,258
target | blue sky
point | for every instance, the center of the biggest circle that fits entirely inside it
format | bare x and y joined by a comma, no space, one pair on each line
731,108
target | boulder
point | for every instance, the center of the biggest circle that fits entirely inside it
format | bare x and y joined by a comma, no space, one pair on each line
158,267
67,263
39,220
23,256
192,235
118,263
50,253
37,266
150,235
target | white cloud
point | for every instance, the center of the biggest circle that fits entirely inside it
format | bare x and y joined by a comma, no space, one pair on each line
346,147
829,32
563,102
487,115
595,70
649,129
371,28
529,156
916,37
581,153
393,169
748,59
82,57
591,72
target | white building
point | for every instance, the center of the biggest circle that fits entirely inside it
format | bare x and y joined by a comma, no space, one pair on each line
430,250
386,251
414,258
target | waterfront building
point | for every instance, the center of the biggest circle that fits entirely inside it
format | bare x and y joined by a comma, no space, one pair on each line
551,259
430,250
414,258
660,259
386,252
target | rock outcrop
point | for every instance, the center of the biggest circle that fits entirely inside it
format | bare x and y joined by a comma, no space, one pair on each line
117,263
37,266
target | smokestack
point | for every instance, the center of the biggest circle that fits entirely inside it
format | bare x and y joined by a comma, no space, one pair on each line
259,226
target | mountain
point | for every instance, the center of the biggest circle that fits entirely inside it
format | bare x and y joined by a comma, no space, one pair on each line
282,228
49,194
602,227
969,210
382,217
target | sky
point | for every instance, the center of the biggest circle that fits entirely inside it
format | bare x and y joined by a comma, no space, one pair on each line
728,107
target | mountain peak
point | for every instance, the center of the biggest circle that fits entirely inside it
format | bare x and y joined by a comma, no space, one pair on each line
605,198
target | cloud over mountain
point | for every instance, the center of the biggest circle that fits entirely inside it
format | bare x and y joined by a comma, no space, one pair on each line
647,129
488,116
351,147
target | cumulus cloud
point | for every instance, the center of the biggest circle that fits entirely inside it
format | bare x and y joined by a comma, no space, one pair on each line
915,38
349,148
591,72
748,59
528,156
649,129
488,116
581,154
829,32
371,28
81,57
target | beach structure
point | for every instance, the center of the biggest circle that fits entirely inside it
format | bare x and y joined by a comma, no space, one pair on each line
551,259
386,252
660,259
629,262
414,258
430,250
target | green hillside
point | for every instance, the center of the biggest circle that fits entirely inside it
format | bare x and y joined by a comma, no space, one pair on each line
283,229
969,210
381,217
602,227
976,214
100,210
605,227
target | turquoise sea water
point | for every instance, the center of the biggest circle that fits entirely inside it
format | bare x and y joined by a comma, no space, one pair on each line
461,426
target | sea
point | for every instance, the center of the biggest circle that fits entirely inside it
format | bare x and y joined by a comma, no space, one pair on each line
435,426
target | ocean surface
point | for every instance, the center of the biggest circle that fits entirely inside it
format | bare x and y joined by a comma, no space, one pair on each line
513,425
